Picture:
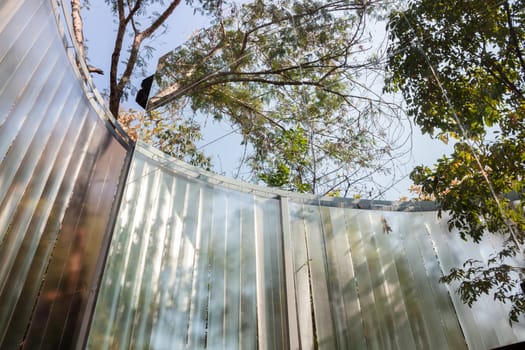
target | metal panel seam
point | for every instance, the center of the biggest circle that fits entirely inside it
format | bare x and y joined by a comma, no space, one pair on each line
106,243
289,279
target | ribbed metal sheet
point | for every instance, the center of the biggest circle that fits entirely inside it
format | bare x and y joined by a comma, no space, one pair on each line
486,324
59,171
191,265
196,263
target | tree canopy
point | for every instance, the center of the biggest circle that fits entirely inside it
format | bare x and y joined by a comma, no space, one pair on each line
295,78
460,67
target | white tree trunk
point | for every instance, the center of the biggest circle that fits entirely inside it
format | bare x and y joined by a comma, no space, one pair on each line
78,28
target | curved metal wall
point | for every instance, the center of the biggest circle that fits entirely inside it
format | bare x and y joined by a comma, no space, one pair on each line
60,166
196,260
201,261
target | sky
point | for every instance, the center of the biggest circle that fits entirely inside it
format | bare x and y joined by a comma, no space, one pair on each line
99,32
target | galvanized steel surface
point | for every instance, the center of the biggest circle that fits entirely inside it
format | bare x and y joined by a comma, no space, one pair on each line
201,261
486,324
195,264
184,259
59,171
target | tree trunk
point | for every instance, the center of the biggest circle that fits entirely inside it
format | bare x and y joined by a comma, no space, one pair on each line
78,32
78,28
117,85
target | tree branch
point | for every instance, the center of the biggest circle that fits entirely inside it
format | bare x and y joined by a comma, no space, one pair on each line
500,75
130,16
160,20
78,27
117,86
236,79
114,93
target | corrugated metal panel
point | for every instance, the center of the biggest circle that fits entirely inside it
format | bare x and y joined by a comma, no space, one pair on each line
486,323
200,261
191,264
59,171
371,286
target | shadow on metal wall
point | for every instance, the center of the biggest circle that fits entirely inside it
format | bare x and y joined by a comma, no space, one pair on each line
60,168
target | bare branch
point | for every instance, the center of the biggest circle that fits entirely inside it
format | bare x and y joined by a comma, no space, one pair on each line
115,93
78,27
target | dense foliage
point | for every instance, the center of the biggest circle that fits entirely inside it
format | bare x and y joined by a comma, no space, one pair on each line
460,67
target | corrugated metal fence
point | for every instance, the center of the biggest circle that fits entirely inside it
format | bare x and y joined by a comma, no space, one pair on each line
60,166
194,264
195,260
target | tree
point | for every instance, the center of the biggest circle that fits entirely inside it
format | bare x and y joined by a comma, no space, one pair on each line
291,77
130,14
127,12
460,67
79,35
173,137
130,55
294,77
